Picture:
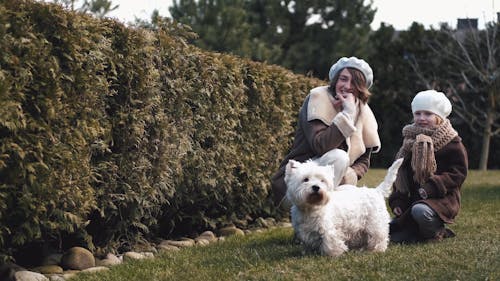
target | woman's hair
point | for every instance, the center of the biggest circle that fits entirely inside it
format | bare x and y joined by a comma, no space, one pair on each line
358,83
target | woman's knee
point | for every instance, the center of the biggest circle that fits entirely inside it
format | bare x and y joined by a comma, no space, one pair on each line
337,157
340,161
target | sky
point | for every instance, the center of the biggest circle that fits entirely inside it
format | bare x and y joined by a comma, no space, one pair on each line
398,13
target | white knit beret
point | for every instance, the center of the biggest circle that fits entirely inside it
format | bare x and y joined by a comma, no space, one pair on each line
353,62
433,101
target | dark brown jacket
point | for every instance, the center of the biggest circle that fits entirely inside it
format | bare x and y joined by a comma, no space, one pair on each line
313,139
443,188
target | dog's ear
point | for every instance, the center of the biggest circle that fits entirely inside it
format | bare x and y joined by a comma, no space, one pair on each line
292,164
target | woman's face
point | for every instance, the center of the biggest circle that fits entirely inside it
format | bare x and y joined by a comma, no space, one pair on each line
425,119
344,84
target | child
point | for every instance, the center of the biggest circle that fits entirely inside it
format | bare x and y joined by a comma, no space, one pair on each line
426,194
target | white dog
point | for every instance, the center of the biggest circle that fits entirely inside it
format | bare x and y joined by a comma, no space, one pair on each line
333,220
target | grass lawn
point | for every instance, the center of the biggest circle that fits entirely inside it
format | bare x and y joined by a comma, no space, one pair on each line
473,255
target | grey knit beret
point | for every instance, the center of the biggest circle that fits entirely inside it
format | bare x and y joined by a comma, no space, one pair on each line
356,63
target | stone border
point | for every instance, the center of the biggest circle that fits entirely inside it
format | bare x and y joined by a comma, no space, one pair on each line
62,267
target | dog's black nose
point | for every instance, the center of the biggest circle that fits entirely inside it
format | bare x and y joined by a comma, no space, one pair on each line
315,188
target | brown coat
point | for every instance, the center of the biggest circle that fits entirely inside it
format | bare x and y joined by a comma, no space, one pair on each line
443,188
312,139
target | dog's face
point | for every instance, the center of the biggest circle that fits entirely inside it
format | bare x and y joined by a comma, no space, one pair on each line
308,183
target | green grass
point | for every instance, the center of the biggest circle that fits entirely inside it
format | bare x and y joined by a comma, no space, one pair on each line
473,255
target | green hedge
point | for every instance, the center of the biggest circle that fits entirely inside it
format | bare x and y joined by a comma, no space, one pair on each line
121,133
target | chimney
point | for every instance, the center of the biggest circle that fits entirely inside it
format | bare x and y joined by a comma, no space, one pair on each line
466,23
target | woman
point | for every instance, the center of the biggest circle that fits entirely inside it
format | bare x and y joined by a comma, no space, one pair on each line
336,126
426,194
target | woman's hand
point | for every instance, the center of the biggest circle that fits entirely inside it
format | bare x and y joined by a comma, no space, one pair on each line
397,211
337,103
348,103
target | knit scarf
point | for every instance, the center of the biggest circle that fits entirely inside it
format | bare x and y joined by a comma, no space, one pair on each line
422,143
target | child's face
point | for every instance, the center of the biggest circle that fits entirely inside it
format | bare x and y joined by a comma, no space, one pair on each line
426,119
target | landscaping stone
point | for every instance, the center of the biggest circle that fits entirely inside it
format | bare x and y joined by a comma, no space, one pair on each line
109,260
207,235
231,230
56,277
49,269
77,258
270,222
202,242
285,224
69,275
179,243
129,256
95,269
261,222
167,248
26,275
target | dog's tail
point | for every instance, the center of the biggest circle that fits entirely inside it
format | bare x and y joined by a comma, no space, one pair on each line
385,187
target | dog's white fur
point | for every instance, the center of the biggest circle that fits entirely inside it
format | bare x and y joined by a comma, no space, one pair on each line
331,219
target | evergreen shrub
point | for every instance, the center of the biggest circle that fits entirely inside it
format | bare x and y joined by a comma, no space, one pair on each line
117,134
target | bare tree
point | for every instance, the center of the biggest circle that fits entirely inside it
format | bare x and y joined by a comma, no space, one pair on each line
68,4
99,8
468,73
